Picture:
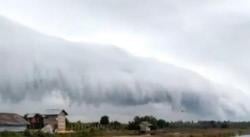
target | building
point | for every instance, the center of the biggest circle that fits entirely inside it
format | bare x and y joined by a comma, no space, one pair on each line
51,118
35,120
12,122
56,118
145,127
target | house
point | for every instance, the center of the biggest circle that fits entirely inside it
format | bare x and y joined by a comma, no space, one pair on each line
35,120
56,118
12,122
145,127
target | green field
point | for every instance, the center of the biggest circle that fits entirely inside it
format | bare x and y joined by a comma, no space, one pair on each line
128,133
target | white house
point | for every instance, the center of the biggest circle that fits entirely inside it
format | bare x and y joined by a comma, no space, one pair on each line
56,118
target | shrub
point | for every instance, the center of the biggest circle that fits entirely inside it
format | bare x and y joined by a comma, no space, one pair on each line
10,134
41,134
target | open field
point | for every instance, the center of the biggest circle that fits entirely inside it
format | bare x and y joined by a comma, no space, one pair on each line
201,133
174,133
128,133
190,133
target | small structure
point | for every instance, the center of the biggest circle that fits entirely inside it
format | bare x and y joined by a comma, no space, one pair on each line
145,127
12,122
56,118
35,120
47,129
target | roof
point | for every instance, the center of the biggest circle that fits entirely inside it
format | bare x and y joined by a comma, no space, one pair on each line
145,124
12,119
31,115
54,112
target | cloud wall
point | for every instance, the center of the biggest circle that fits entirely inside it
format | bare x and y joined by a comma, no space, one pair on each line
34,66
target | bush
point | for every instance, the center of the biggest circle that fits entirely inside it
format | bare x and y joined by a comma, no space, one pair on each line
27,133
41,134
10,134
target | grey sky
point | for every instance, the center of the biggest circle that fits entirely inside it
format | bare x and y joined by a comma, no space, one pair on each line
208,37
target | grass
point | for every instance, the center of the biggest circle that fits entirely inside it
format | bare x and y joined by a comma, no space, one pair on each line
127,133
201,132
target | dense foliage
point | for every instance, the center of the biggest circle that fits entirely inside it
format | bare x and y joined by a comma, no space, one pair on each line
161,124
134,125
25,134
104,120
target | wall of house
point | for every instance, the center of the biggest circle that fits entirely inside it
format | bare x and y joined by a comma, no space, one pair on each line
51,120
13,128
61,122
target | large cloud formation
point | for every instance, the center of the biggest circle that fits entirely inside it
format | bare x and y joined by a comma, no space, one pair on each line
34,65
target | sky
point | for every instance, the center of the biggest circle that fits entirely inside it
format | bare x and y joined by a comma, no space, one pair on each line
176,57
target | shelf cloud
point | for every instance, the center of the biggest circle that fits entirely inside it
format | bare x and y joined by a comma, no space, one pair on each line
39,68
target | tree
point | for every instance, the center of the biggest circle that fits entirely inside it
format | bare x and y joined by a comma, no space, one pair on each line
152,120
134,125
224,124
68,124
104,120
115,125
162,123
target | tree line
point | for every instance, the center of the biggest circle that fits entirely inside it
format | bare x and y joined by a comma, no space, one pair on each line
105,123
